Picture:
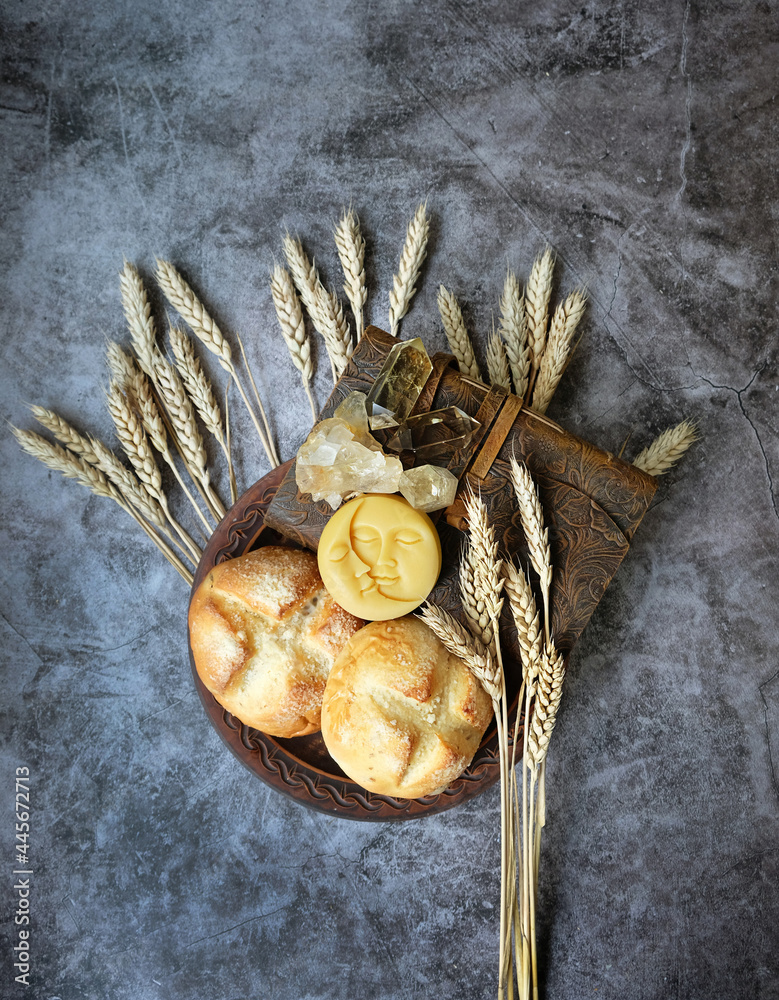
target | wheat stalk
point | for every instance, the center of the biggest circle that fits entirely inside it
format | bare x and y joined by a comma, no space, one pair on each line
321,306
513,327
144,338
137,312
227,415
202,395
488,671
304,275
142,331
549,691
666,450
132,437
537,536
411,259
543,672
456,334
62,431
325,322
497,362
73,467
191,309
97,455
128,484
537,295
478,619
558,348
526,619
482,553
351,252
339,327
146,402
198,386
120,364
293,328
59,459
182,417
317,301
143,396
468,648
486,567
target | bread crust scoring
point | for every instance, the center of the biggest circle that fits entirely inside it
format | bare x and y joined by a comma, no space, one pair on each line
401,715
264,634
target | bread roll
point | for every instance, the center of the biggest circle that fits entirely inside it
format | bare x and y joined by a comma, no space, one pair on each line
264,634
402,715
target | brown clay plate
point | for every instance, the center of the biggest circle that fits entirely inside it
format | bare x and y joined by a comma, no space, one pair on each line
301,768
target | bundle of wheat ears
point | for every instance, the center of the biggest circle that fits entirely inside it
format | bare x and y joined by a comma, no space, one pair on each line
161,405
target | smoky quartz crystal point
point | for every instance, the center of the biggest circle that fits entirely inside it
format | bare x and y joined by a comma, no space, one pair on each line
434,436
399,383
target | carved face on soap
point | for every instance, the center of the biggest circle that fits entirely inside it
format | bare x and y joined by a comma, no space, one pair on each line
380,555
388,553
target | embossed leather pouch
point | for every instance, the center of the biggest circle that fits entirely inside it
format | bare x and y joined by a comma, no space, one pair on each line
592,501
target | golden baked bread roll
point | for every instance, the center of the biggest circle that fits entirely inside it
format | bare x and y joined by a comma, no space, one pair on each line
264,634
402,715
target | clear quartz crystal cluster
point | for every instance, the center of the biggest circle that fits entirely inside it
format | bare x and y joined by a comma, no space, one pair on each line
340,458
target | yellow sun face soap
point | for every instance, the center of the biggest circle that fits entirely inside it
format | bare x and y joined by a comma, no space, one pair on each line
378,557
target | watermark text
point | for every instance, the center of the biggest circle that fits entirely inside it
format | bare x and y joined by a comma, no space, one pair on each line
22,872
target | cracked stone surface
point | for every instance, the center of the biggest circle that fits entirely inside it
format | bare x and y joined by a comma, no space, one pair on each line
639,140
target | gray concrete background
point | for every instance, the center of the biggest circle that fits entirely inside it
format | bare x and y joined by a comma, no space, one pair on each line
640,141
